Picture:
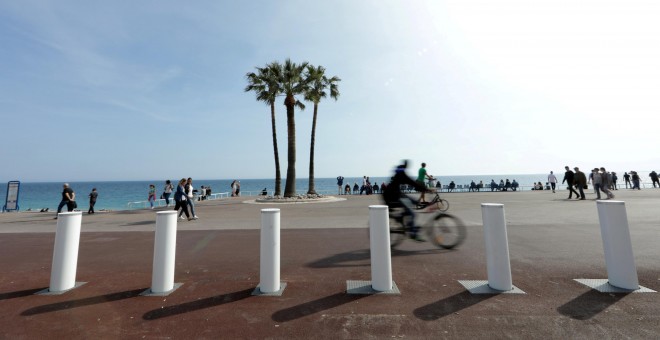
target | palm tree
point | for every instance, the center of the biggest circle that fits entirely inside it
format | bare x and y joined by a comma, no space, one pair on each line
318,83
292,83
265,84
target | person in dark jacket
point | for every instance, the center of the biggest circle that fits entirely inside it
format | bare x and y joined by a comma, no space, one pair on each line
569,178
580,181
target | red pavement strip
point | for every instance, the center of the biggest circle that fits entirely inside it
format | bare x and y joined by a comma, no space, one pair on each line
220,269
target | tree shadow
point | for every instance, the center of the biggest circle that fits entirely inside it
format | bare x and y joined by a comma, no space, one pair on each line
345,259
589,304
54,307
450,305
312,307
21,293
192,306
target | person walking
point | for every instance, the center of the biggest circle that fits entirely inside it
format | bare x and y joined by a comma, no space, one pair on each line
626,179
190,201
68,199
180,199
152,195
596,181
635,180
167,192
606,183
92,200
552,179
654,178
614,178
340,183
580,181
569,179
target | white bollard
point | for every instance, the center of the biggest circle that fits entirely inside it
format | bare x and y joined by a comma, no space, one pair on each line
381,257
269,260
619,259
497,247
162,278
65,254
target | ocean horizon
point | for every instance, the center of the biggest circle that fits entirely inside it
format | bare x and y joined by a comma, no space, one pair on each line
127,195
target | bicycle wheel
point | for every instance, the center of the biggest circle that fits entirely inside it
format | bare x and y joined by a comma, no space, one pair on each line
397,232
442,205
446,231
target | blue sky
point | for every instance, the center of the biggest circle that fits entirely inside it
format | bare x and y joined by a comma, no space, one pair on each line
154,89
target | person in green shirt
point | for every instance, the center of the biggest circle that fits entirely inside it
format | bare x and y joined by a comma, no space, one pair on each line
421,178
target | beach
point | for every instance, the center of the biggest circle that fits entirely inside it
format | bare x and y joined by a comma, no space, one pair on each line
552,242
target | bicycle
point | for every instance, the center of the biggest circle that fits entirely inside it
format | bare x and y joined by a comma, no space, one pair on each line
441,203
444,230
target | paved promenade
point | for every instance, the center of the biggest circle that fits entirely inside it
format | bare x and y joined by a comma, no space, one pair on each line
552,241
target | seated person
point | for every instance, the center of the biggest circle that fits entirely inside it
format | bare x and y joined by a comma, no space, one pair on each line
507,185
356,189
514,185
375,188
452,186
347,189
264,192
493,185
473,186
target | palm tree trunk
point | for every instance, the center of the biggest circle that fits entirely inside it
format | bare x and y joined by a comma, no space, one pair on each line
290,188
278,175
312,189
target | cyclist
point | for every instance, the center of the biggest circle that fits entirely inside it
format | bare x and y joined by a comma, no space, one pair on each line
393,196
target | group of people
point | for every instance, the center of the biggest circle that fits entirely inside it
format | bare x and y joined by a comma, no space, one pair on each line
367,188
601,179
69,200
235,188
184,201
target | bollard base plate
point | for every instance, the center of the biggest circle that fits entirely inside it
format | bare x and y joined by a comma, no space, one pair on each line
257,291
48,292
482,287
148,292
364,288
603,286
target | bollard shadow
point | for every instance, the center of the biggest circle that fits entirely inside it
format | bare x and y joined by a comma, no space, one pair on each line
54,307
353,258
589,304
313,307
21,293
450,305
192,306
138,223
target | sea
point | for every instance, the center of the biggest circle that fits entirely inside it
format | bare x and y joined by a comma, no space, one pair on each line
129,195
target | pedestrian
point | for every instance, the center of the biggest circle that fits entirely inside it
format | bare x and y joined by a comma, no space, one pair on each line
152,195
580,182
596,181
635,180
238,188
607,183
233,188
569,178
167,192
340,183
92,200
614,178
180,199
626,179
654,178
190,201
552,179
68,199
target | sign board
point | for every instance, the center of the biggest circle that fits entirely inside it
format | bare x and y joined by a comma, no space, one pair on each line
11,202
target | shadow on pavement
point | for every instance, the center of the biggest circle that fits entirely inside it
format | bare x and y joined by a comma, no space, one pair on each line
139,223
353,258
450,305
589,304
54,307
197,305
312,307
22,293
